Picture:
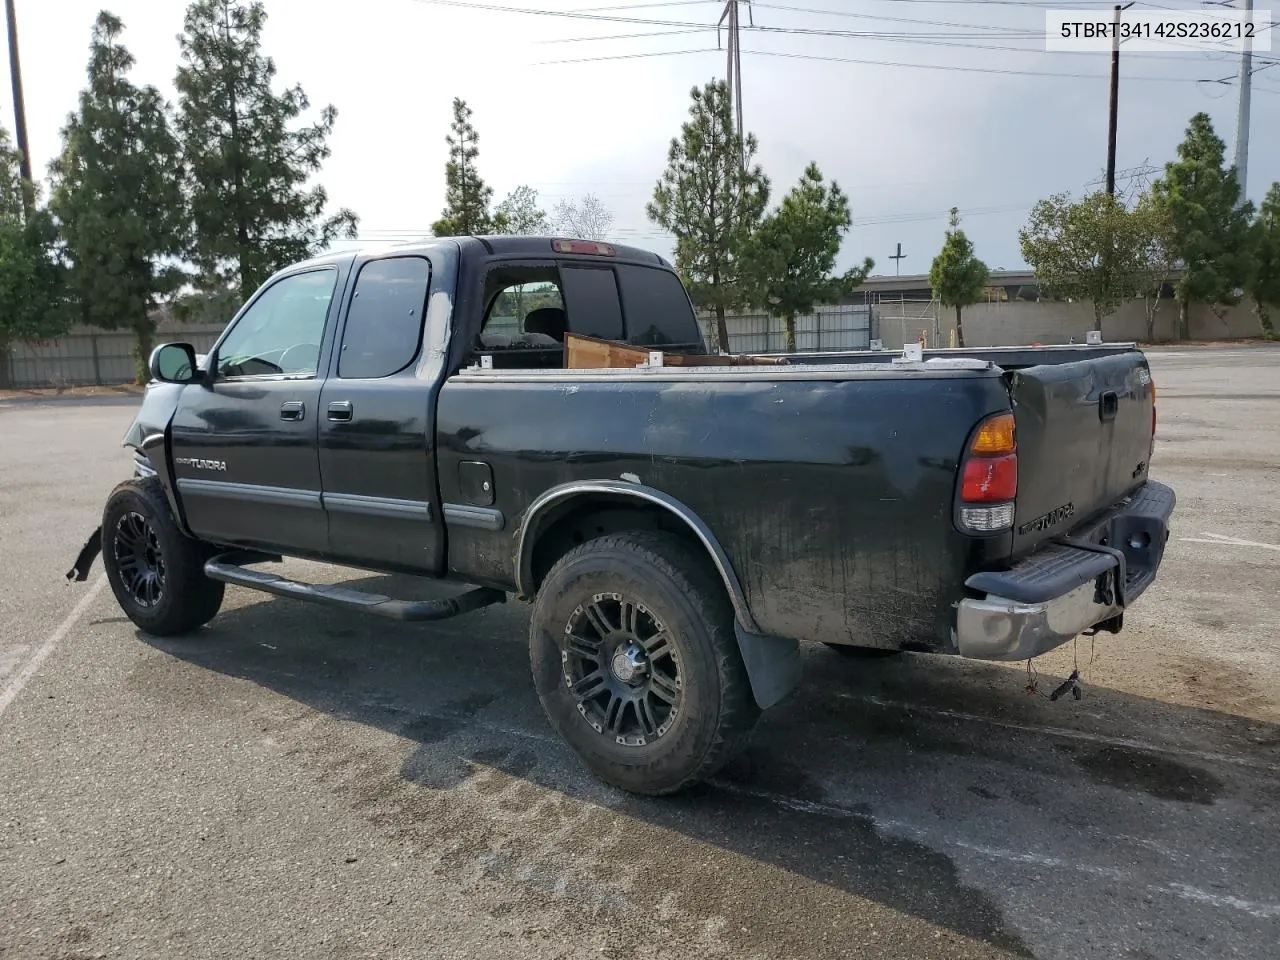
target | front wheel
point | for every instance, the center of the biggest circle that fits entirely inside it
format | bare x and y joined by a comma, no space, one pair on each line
636,664
155,570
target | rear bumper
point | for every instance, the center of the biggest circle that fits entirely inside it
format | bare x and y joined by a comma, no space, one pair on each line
1084,581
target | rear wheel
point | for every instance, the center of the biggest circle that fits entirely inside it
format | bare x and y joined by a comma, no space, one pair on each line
636,664
155,570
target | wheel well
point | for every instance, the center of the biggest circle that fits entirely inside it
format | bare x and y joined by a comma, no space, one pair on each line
590,516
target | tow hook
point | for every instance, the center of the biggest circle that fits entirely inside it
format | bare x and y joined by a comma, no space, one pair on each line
88,553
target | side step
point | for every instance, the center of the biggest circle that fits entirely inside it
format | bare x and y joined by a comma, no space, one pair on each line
222,568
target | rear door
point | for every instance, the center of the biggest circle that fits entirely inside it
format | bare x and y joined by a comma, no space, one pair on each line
244,445
377,424
1084,440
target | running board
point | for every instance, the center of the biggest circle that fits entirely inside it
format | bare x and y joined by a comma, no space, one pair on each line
220,568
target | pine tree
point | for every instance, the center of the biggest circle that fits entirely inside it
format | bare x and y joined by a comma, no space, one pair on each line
249,167
32,281
956,275
711,198
791,257
1209,222
117,195
467,196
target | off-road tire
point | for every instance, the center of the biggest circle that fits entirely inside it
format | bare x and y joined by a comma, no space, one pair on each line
716,713
186,599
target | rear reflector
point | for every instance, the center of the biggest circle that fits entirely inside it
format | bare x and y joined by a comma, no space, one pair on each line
990,479
987,519
589,247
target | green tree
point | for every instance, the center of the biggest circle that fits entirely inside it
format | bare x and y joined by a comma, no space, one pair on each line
793,252
32,281
711,198
1097,250
1153,257
467,196
117,195
1209,222
519,214
957,276
248,166
1264,279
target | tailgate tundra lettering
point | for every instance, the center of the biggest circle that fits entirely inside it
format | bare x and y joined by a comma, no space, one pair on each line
1050,519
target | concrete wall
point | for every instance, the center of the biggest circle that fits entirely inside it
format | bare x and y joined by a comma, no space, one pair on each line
1017,323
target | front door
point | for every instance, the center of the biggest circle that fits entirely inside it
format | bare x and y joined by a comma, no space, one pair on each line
377,425
244,444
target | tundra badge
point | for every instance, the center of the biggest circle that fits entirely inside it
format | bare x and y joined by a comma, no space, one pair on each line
201,464
1050,519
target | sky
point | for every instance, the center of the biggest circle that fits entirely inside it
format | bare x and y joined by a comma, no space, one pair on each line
911,106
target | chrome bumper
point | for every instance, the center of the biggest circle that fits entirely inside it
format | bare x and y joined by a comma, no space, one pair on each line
1067,587
999,629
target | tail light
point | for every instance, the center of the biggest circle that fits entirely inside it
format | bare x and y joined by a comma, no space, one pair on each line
989,476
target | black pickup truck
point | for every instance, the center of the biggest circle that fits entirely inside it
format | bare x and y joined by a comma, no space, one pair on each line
678,529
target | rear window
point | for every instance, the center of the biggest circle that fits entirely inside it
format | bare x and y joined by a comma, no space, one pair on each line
591,300
657,308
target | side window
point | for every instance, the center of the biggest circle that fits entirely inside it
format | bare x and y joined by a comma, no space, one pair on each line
657,308
591,299
384,323
522,308
280,333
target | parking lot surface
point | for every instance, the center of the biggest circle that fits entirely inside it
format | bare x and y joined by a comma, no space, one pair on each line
299,781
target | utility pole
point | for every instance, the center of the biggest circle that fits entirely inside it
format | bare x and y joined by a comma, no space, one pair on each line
897,261
1242,119
1115,98
19,111
733,71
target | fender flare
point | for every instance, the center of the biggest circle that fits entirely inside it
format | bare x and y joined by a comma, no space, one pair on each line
772,663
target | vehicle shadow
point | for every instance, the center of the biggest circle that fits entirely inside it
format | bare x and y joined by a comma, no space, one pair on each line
916,783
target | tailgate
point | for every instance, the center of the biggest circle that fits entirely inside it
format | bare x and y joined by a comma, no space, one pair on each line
1084,441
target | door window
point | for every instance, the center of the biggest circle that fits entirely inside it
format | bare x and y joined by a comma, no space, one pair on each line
281,332
384,322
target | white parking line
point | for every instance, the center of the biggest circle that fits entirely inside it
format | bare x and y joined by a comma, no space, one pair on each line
936,839
1229,541
42,652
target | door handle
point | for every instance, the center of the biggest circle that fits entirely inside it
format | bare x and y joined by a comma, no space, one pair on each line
293,410
1108,404
340,410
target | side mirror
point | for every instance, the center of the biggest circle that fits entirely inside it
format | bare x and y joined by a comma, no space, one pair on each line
174,363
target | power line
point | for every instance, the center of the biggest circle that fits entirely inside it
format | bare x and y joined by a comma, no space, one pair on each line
874,63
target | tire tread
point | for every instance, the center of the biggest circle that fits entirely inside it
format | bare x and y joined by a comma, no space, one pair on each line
691,573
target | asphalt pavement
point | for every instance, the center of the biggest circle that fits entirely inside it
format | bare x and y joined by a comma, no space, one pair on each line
304,782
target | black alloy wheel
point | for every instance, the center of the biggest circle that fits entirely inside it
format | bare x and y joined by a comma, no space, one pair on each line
139,558
622,669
